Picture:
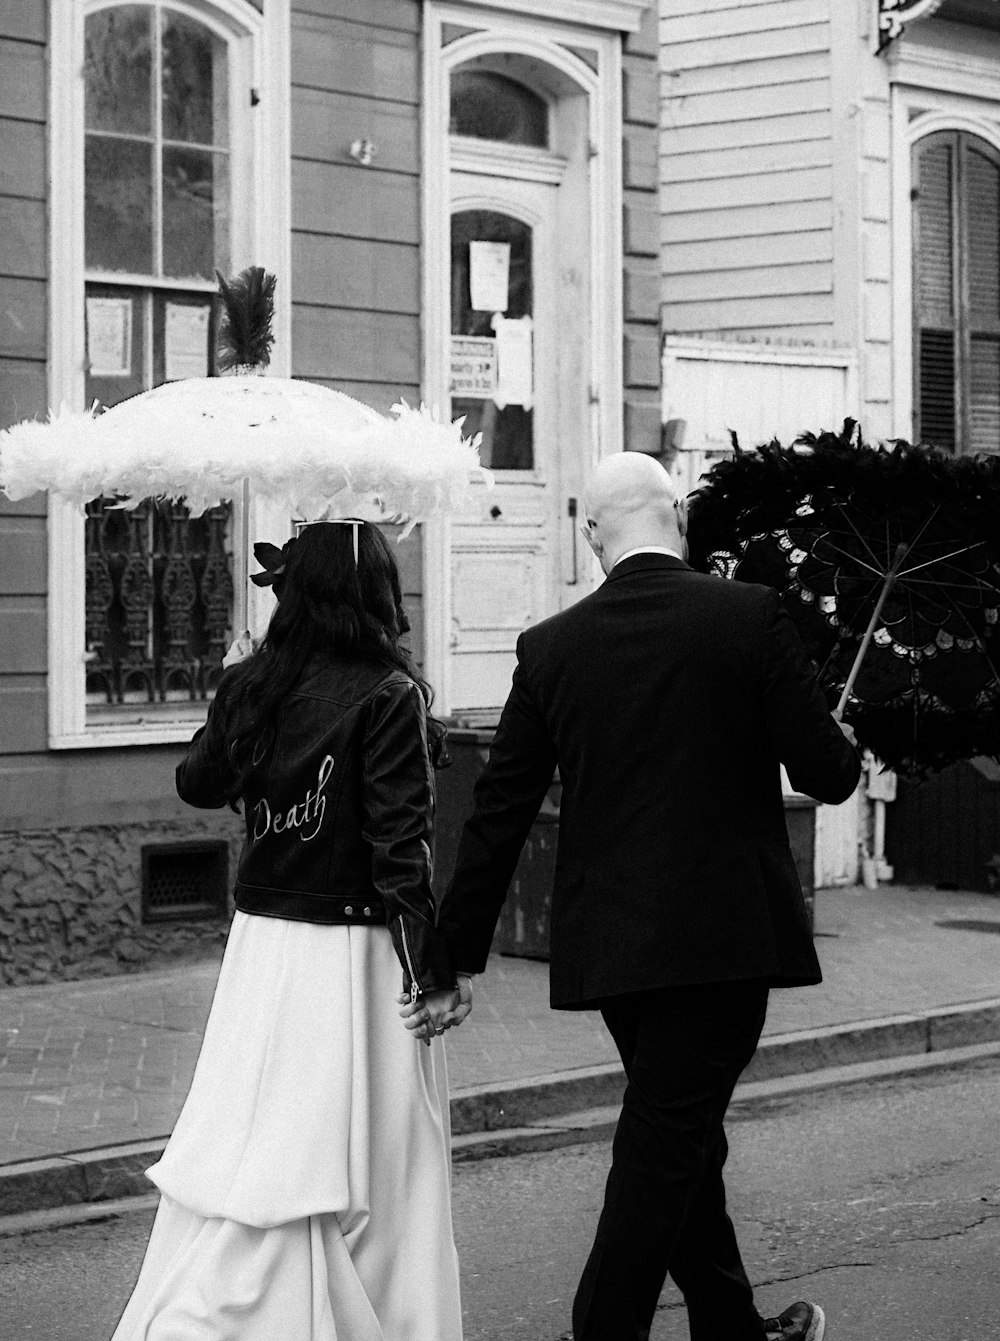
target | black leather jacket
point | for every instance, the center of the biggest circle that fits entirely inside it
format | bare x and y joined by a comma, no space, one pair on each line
339,813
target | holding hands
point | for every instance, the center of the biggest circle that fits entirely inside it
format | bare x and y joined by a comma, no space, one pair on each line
434,1012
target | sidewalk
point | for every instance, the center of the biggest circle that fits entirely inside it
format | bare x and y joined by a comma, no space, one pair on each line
107,1063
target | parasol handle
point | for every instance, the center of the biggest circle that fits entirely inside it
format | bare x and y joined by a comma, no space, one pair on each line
902,549
241,566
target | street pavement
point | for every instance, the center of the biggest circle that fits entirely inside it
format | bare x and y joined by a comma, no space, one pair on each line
881,1201
107,1062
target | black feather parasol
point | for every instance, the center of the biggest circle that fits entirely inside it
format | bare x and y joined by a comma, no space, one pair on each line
888,561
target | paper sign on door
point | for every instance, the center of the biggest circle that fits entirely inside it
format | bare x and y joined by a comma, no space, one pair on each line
473,367
489,276
515,377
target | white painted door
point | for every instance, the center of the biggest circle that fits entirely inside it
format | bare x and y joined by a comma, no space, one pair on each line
512,562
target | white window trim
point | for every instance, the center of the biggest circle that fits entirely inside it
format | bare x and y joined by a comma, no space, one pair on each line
623,16
548,41
266,241
916,113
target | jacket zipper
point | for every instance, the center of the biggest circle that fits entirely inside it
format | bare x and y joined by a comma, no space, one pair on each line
414,985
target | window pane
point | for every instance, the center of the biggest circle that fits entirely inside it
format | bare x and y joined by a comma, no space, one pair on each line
118,220
508,434
489,106
159,592
195,82
195,213
118,69
116,335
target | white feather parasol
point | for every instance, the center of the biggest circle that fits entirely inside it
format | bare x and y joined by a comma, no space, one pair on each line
313,450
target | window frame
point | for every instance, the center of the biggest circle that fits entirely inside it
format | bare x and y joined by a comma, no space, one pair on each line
917,111
960,323
261,187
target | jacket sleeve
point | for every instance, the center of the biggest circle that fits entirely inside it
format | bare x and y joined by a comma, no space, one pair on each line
398,808
819,759
506,799
205,776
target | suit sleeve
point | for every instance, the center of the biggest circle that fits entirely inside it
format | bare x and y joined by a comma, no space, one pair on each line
506,799
819,759
398,809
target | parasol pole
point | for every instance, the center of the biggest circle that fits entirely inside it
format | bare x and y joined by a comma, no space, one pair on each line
241,596
902,549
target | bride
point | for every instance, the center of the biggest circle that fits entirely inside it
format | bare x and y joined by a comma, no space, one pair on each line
305,1190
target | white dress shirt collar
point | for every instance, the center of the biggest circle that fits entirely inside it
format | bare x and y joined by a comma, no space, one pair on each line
646,549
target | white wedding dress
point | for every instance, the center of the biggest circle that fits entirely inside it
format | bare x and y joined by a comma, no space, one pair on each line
305,1192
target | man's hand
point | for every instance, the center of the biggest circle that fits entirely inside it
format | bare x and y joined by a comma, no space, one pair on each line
429,1014
464,1010
847,729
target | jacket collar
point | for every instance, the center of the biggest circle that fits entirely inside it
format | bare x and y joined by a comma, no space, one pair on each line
639,563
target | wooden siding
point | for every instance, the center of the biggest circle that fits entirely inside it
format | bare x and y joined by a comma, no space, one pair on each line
23,379
640,113
356,230
746,169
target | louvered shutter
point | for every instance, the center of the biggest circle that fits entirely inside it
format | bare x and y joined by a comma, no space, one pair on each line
980,200
935,325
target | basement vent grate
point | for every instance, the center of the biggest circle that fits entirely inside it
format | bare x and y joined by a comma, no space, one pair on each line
969,924
184,881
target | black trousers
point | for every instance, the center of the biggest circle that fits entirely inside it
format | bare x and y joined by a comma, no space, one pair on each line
683,1049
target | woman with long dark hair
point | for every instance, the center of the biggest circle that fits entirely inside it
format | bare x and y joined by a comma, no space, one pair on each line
305,1190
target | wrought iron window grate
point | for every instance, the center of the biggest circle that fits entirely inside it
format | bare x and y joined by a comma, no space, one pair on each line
159,594
184,880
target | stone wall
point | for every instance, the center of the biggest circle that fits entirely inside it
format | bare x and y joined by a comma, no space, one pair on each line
70,899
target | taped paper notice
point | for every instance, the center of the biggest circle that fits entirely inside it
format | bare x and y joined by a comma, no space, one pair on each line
489,276
515,378
109,337
186,341
473,367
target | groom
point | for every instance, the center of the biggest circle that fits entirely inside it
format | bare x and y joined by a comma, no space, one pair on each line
667,699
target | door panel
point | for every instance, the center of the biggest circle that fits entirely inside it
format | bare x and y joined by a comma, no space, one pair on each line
505,556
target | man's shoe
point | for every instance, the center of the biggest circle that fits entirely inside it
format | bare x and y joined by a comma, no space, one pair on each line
799,1322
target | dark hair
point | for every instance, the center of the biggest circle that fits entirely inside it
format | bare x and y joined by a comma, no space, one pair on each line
326,602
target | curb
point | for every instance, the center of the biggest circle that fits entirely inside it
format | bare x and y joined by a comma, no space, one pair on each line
565,1107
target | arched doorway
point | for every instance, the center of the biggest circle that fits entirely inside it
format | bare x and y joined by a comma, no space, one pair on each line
521,349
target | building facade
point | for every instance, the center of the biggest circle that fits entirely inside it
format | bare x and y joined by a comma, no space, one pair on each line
440,188
830,229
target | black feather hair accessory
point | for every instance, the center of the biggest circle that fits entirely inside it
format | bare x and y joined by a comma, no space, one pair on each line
246,334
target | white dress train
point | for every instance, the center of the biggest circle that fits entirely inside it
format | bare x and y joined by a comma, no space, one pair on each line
305,1192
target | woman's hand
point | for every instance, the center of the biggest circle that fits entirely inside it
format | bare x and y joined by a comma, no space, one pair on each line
241,648
429,1014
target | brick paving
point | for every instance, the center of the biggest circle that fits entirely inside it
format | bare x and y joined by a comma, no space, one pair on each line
108,1061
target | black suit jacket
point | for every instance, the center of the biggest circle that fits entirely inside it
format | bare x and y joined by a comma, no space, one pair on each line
667,699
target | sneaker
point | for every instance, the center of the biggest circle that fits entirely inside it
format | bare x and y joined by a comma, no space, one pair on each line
799,1322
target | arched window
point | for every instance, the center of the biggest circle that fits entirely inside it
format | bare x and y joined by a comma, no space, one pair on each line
956,286
158,207
490,106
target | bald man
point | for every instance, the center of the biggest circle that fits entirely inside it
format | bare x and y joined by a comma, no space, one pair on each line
667,699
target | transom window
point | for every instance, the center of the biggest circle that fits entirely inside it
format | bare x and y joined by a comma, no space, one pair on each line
956,223
490,106
157,208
